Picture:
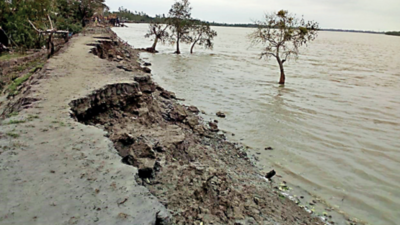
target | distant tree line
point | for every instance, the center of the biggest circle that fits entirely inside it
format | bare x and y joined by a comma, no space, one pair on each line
233,25
352,31
141,17
395,33
130,16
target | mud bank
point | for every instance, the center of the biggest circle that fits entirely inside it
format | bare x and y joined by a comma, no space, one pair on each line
193,171
91,139
54,170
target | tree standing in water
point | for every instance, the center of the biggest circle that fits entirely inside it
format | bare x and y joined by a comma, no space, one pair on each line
202,35
283,34
160,33
180,22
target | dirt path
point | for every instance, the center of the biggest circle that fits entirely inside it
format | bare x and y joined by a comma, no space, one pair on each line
54,170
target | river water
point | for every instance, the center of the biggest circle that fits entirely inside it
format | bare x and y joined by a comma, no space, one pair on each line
334,126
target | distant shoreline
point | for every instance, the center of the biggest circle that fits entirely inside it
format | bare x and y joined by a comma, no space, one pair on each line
253,26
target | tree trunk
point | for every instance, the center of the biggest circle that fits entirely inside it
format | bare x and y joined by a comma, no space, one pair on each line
177,46
82,13
154,44
191,49
282,79
50,46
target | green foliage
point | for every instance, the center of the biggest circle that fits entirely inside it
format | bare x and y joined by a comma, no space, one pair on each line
14,21
66,15
137,17
71,27
87,8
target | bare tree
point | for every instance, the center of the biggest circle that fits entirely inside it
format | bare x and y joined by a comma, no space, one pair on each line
180,22
160,33
203,35
282,34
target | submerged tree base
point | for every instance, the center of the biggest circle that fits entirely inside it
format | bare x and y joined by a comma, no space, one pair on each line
151,50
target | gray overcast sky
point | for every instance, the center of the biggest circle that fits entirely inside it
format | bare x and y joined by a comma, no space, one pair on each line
377,15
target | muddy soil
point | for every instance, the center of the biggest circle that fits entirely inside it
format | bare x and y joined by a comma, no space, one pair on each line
91,139
55,170
193,171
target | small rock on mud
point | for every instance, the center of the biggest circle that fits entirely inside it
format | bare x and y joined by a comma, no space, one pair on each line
193,109
213,127
221,114
168,94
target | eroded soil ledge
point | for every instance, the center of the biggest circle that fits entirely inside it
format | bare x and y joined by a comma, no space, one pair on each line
199,176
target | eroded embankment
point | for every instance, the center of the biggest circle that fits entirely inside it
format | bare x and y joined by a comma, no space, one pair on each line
55,170
199,176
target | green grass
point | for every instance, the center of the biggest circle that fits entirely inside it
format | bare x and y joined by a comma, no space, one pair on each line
12,114
62,124
8,56
7,80
16,121
12,89
13,135
32,117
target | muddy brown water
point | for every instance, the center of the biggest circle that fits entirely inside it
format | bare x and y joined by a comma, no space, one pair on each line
334,126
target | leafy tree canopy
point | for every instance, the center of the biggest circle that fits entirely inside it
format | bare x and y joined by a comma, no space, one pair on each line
180,21
282,34
65,14
203,35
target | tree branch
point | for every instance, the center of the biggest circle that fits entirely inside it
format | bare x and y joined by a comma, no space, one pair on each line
39,31
51,23
268,54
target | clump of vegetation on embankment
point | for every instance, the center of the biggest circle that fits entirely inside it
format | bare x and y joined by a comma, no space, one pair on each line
13,87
